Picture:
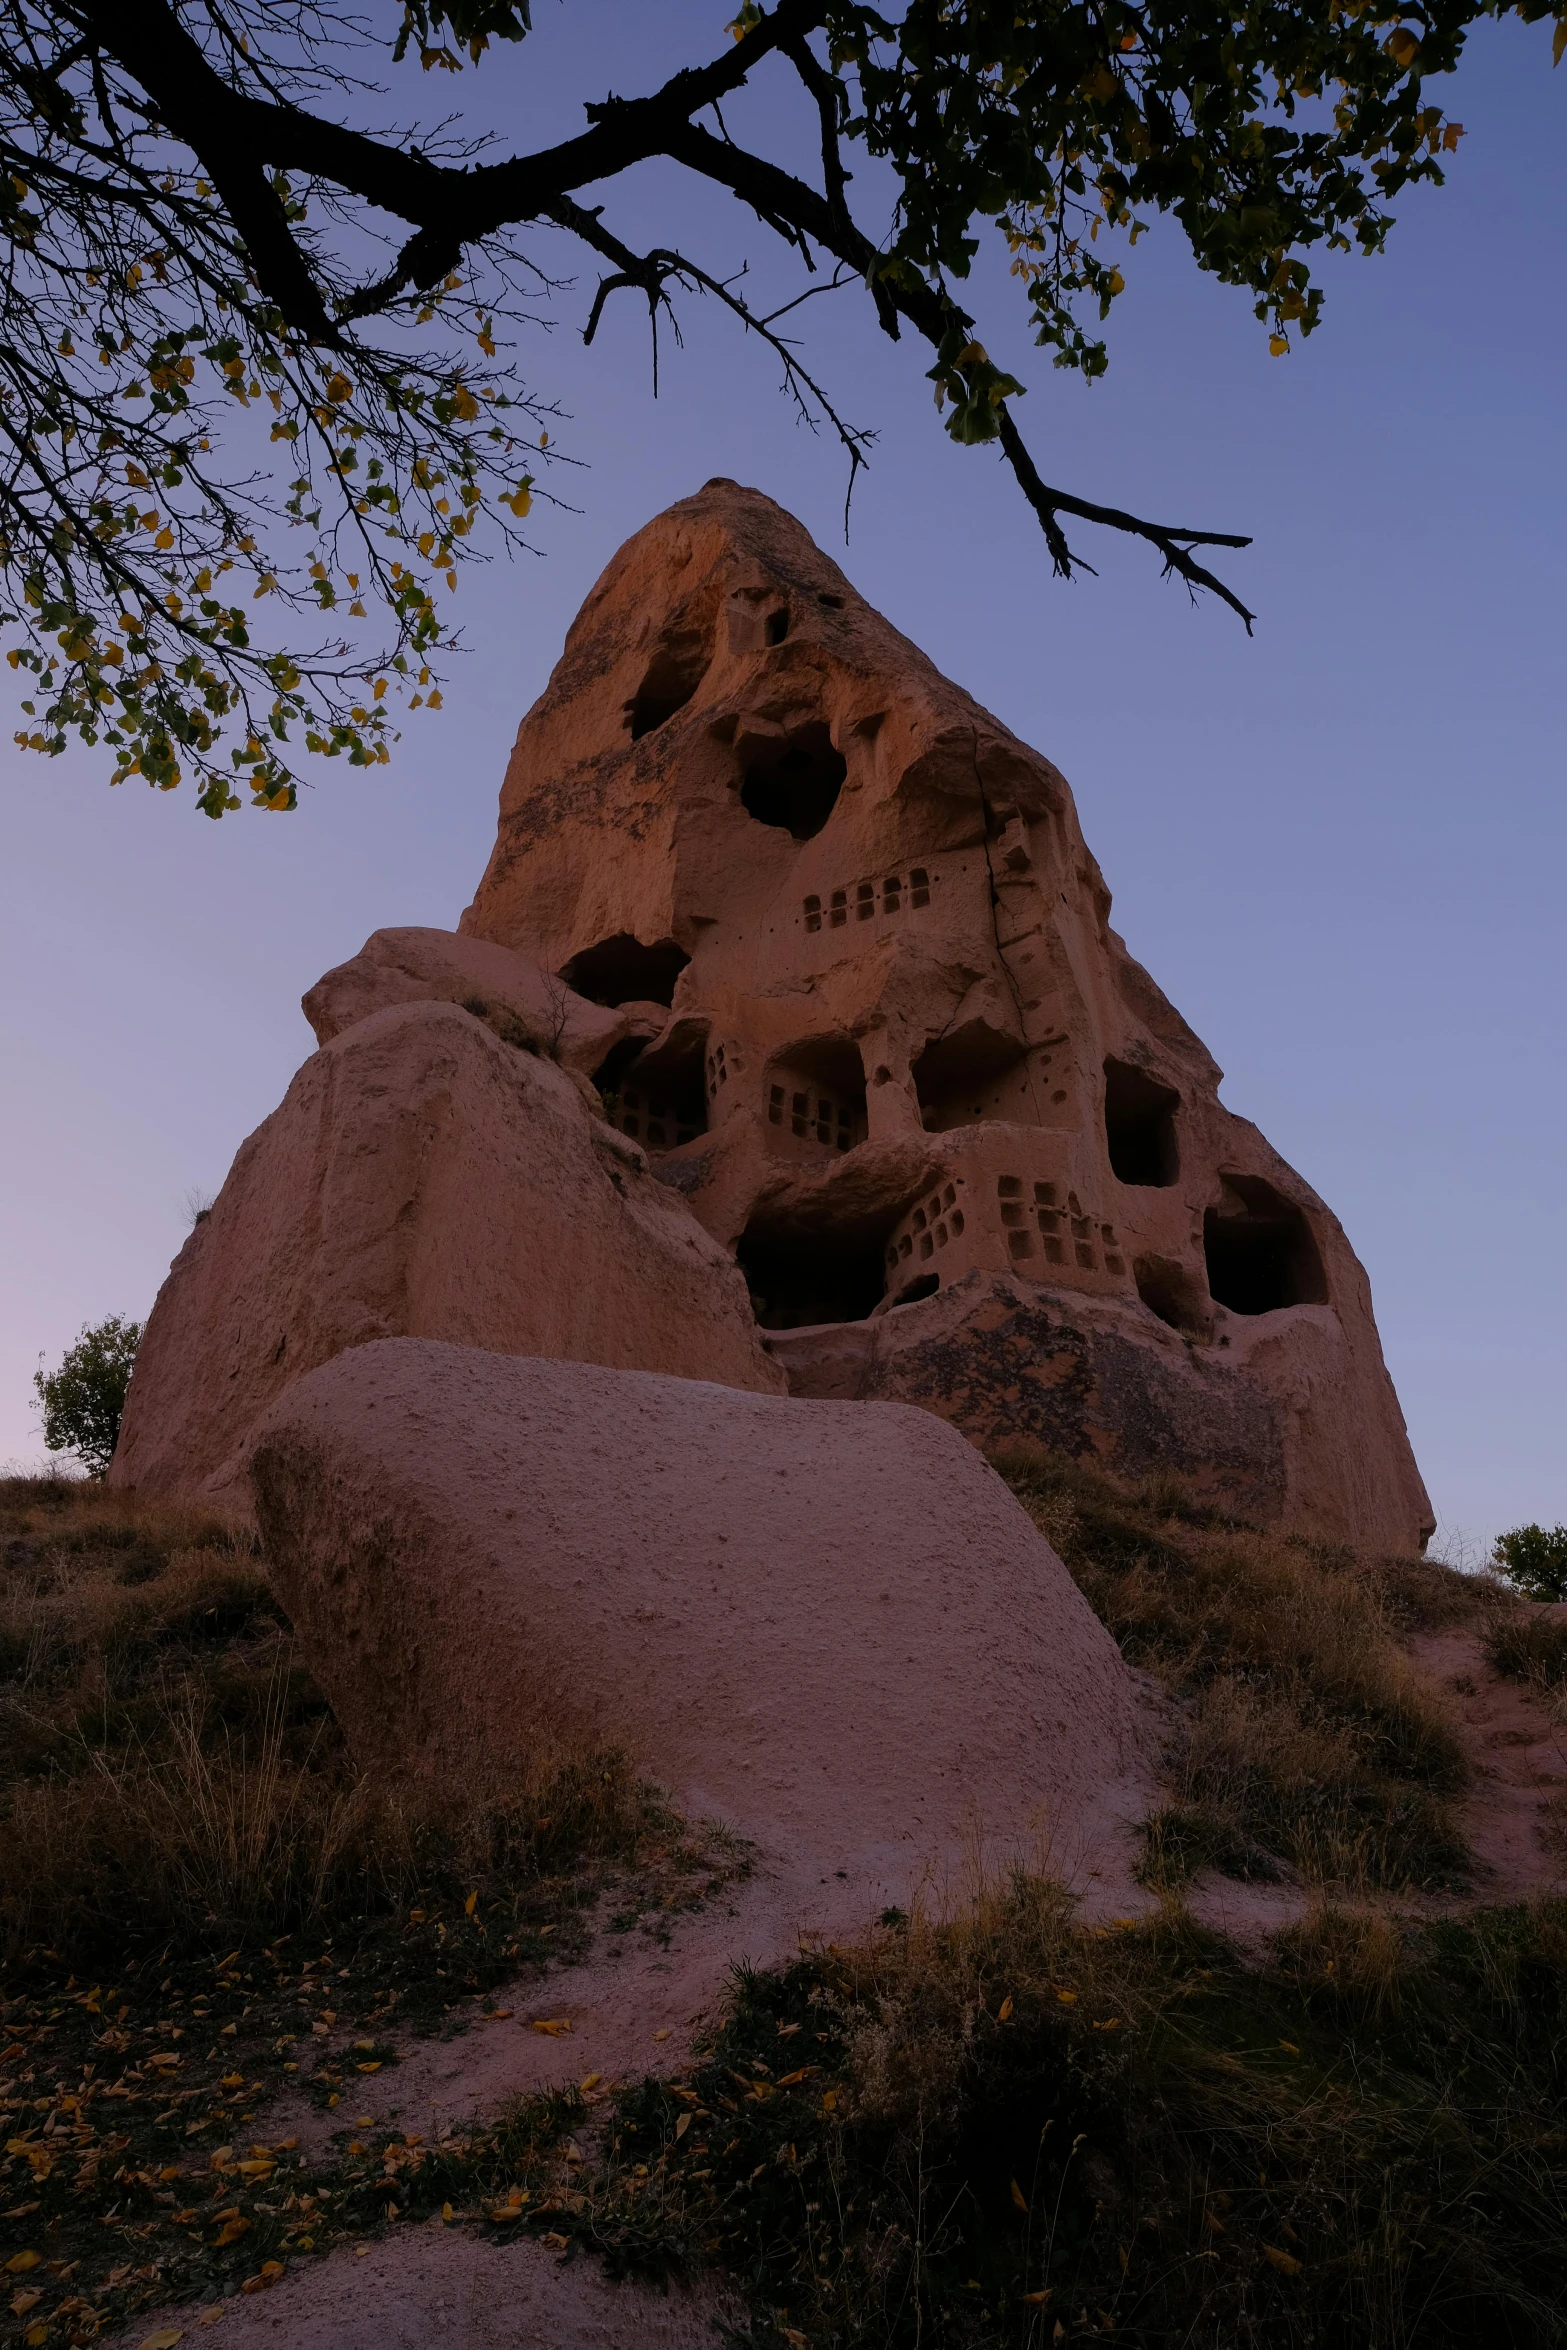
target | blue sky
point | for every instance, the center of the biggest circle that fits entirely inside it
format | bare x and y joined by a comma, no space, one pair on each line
1339,846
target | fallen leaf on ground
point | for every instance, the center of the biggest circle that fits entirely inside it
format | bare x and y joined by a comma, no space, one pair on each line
164,2339
1284,2261
554,2025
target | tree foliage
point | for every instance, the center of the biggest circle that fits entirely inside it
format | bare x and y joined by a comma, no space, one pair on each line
84,1399
1534,1558
258,373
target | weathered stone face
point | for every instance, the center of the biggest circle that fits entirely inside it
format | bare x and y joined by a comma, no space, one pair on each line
906,1069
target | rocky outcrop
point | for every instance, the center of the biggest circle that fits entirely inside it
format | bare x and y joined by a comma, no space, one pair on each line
524,1005
829,1625
902,1052
422,1177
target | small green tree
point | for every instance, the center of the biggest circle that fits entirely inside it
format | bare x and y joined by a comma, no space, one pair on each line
82,1401
1535,1559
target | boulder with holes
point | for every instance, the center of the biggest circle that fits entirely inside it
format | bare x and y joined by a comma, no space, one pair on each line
888,1048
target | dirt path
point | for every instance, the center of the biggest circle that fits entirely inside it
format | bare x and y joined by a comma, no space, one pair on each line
1514,1816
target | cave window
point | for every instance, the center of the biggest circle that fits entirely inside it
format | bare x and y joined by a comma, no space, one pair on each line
919,886
658,1100
799,1279
813,913
777,627
798,791
969,1075
838,913
1260,1252
621,970
818,1098
1140,1127
1168,1290
865,900
671,679
891,898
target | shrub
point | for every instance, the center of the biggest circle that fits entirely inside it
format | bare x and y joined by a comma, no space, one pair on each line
1534,1560
84,1399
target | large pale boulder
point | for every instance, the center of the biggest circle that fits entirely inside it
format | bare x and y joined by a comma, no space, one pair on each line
422,1177
828,1624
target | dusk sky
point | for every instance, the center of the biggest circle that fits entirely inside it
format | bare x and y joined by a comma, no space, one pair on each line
1340,846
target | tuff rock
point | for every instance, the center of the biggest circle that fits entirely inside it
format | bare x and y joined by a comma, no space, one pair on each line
964,1150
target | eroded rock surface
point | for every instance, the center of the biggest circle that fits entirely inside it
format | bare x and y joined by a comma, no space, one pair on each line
829,1625
903,1053
424,1177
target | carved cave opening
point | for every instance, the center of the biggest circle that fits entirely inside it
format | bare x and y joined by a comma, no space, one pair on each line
673,676
1174,1294
799,790
1140,1127
621,970
971,1074
657,1098
817,1096
1260,1251
797,1279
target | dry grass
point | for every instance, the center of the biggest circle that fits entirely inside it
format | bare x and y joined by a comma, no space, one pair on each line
994,2130
170,1774
1307,1739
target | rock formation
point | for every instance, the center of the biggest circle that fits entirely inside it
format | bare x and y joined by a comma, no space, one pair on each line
423,1176
788,954
829,1625
964,1150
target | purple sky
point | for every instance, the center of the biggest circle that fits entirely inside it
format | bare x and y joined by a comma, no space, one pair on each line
1341,847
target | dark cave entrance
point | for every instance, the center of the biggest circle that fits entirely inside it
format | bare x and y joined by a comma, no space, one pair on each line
621,970
672,678
1261,1254
799,790
797,1279
1140,1126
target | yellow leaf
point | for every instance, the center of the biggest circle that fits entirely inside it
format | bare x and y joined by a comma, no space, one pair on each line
472,1902
369,2068
164,2339
164,539
34,2335
1401,45
591,2082
1018,2196
1037,2300
682,2125
1005,2009
1278,345
1067,1998
232,2230
446,2211
665,2034
1115,283
1559,41
339,388
1285,2262
22,2302
20,2262
554,2025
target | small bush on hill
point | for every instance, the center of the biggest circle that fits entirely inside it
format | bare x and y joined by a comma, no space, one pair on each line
84,1399
1534,1559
